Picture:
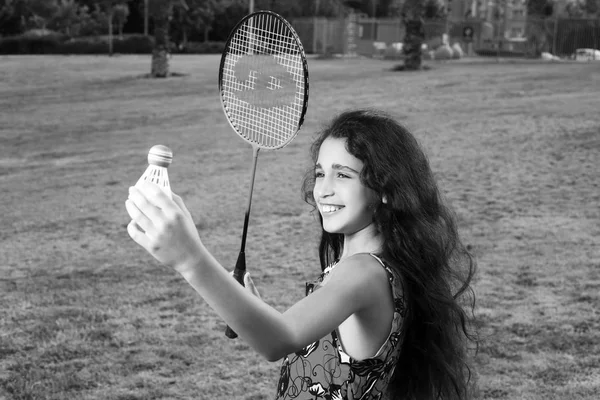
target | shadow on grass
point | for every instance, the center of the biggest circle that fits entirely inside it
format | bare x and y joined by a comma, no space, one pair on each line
402,68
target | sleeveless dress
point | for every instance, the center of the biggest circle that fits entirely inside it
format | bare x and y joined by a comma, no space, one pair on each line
323,370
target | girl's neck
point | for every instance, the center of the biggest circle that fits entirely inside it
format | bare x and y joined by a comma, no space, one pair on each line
367,240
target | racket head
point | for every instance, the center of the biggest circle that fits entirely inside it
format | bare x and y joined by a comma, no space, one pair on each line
263,80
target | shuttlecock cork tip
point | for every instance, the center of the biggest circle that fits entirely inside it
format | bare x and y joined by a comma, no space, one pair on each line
160,155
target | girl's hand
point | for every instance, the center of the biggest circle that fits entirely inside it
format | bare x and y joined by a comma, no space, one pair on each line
162,226
249,284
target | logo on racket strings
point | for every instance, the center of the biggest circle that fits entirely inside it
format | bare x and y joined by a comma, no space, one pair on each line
265,83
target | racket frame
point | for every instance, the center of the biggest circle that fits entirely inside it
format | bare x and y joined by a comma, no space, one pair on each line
304,69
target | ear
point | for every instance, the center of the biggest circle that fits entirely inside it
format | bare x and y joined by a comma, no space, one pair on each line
384,199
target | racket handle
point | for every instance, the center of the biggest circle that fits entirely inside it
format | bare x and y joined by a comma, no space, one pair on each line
230,333
238,274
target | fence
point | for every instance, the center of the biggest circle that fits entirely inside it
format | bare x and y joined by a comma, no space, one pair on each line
525,37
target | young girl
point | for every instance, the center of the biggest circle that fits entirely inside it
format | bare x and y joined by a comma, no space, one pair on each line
385,319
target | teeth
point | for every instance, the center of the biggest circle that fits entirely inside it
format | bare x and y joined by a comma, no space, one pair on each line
329,209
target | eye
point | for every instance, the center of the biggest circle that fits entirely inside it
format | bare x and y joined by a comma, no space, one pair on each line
342,175
319,174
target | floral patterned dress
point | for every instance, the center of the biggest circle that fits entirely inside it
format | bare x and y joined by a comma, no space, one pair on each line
323,370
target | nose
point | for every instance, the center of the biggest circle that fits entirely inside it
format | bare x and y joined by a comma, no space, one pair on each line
323,188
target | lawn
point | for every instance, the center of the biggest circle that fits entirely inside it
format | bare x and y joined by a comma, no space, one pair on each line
87,314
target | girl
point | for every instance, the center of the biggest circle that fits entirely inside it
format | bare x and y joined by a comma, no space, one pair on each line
385,319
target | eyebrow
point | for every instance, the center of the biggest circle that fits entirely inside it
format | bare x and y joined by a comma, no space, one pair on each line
338,167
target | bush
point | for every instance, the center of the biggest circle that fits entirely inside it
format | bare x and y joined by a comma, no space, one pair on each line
84,46
30,44
394,51
134,44
428,55
443,52
37,33
457,51
129,44
202,48
498,53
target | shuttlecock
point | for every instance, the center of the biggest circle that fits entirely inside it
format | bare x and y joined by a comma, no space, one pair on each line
159,159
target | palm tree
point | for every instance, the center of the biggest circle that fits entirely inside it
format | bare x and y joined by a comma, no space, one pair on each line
161,12
121,12
540,25
412,18
109,6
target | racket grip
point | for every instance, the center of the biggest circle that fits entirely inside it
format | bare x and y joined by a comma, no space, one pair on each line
238,275
230,333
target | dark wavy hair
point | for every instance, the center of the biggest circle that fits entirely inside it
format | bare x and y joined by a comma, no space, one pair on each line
421,241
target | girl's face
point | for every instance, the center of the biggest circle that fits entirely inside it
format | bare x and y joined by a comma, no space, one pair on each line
344,202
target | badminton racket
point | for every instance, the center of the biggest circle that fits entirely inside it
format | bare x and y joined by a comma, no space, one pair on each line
263,85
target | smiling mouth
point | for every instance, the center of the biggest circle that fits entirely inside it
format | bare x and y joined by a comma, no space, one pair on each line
328,209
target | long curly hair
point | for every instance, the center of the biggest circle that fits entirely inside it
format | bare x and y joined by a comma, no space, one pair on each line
421,240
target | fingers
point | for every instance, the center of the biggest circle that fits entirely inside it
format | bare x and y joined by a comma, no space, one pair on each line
137,234
249,284
140,220
142,205
153,195
162,227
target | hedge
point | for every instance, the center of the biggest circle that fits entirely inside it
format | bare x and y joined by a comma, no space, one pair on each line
130,44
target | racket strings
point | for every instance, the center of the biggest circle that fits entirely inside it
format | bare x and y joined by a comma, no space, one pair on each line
266,44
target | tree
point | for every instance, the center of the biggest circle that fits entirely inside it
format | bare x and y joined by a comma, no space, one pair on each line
121,12
318,8
591,7
435,10
540,26
287,9
582,8
110,9
540,8
66,17
414,36
389,8
146,17
42,11
574,9
196,15
94,22
7,12
161,12
11,14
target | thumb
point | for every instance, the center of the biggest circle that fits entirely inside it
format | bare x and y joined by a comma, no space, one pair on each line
250,285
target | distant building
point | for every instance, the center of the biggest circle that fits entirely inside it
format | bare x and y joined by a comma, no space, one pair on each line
508,16
516,16
459,9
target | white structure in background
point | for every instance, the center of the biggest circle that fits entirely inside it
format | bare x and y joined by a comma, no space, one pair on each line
587,55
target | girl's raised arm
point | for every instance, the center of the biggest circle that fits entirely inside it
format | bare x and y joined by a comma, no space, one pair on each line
166,230
352,287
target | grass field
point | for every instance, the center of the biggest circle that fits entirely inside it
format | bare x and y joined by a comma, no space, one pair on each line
86,314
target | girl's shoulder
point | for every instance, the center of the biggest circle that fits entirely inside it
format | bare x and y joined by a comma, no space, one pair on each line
368,261
392,269
379,271
367,268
